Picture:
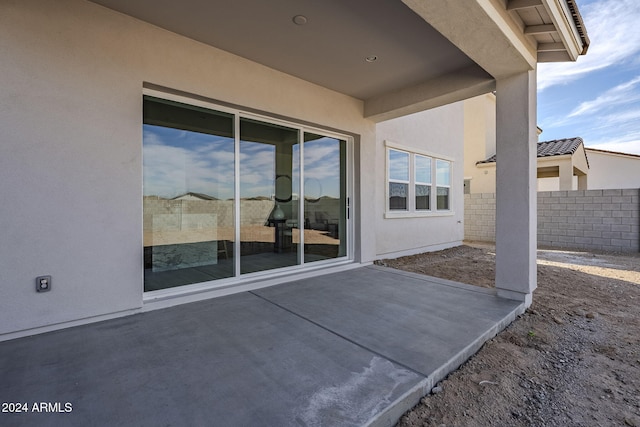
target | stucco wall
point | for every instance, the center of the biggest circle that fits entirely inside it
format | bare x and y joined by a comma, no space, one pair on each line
611,171
439,132
480,142
71,149
580,219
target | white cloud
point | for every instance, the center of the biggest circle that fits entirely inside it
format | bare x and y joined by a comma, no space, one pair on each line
616,96
631,147
170,171
625,121
612,26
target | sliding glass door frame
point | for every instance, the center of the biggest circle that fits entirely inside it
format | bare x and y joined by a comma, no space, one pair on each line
239,278
302,129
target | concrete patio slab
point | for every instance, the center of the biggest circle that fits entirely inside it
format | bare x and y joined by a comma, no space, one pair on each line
348,349
411,319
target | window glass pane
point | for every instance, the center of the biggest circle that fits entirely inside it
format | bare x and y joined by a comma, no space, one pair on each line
423,169
443,198
423,196
325,221
443,170
398,196
398,166
188,194
268,213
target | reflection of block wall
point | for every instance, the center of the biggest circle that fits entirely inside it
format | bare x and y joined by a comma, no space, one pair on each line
324,209
176,215
255,212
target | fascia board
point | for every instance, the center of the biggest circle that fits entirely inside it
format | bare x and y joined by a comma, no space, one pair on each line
514,34
554,159
566,27
483,30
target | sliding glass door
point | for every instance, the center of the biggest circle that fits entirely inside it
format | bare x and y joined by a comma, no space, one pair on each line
269,165
227,195
188,194
325,200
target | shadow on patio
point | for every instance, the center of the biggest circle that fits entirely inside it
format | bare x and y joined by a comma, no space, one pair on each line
352,348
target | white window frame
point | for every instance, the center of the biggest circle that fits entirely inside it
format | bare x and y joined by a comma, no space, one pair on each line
411,211
416,182
440,185
399,181
239,281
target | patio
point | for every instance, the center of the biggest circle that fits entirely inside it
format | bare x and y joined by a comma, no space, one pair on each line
353,348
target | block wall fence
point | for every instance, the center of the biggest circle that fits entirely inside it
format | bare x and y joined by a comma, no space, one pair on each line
606,220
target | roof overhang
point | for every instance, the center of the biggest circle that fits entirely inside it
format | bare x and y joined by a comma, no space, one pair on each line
555,26
427,53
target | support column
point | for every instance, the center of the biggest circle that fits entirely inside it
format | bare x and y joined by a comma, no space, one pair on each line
582,182
566,176
516,198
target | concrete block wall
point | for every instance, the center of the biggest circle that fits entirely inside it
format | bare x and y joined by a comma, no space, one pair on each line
583,219
590,219
480,217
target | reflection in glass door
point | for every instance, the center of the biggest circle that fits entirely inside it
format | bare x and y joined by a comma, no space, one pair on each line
188,194
226,195
269,159
325,201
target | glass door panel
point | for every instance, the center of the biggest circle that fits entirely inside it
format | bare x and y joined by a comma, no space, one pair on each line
188,194
325,201
268,213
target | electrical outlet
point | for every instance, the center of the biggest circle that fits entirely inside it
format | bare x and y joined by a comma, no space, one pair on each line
43,283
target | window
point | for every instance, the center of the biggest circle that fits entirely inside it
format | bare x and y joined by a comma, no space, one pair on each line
411,179
423,182
467,186
443,178
398,180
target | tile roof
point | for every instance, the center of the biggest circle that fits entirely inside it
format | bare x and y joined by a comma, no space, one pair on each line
556,147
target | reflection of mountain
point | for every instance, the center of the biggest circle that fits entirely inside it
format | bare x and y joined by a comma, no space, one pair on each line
320,198
256,198
185,196
194,196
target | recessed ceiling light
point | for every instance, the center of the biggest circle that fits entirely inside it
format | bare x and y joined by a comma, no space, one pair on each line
371,58
299,19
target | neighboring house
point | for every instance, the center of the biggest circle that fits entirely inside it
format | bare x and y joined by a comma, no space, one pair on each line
118,117
612,170
565,161
561,161
606,170
562,164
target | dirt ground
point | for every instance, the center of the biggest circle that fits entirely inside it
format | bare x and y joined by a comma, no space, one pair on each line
572,359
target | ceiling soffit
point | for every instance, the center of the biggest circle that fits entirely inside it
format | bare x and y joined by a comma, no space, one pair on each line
330,49
427,53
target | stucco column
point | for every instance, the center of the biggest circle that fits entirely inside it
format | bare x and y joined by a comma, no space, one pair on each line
566,176
582,182
516,200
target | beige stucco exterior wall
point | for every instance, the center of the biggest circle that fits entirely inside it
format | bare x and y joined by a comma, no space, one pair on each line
606,171
480,142
438,132
610,171
71,149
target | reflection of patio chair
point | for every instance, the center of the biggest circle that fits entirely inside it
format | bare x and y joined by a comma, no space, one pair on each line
332,227
287,234
222,248
318,221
